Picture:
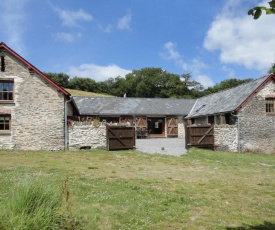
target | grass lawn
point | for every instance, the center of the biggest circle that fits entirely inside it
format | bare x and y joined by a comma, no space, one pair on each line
75,92
132,190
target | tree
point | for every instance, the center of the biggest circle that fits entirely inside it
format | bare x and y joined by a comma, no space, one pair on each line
226,84
85,84
272,69
61,79
256,12
156,83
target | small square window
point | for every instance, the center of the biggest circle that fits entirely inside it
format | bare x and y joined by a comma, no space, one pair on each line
5,122
269,105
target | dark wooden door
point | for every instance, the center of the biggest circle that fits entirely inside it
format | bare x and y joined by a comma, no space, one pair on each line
200,136
172,126
120,137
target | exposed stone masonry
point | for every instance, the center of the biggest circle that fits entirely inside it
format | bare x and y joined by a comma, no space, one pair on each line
37,113
87,136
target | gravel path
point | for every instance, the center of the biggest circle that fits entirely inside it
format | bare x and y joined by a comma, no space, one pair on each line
168,146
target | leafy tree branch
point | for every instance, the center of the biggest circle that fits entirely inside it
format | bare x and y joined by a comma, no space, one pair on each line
256,12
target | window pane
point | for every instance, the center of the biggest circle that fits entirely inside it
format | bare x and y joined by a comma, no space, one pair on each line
10,87
10,96
5,86
7,126
2,126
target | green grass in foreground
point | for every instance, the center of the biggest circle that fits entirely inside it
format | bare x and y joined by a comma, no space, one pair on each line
132,190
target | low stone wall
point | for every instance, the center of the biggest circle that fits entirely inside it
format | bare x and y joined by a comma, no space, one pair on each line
87,135
226,137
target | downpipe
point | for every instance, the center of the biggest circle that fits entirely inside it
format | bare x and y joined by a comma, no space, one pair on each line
66,123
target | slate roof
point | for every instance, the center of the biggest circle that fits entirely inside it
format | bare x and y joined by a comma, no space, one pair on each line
228,100
132,106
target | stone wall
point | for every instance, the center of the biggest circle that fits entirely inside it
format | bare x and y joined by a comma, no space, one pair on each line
181,127
37,112
226,137
87,135
256,126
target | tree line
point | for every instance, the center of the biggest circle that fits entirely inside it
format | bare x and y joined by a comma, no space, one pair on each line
146,83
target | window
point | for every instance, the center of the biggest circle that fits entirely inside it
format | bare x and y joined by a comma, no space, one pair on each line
5,122
269,105
6,90
2,63
211,120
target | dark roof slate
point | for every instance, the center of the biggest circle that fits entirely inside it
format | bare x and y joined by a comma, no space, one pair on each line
225,101
132,106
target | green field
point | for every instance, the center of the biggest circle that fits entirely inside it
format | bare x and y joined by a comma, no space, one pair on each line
132,190
75,92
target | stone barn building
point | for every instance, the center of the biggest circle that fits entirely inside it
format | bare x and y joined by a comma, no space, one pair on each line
32,115
152,117
243,116
34,112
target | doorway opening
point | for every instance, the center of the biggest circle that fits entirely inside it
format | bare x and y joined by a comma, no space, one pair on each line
156,126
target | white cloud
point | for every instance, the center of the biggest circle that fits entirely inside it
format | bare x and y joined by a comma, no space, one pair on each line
68,37
96,72
229,71
13,16
194,67
71,18
107,29
241,39
205,81
124,22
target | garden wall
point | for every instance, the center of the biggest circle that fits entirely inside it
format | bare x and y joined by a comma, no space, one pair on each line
81,136
226,137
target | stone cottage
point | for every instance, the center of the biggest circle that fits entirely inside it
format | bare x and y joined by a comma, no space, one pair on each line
243,116
32,114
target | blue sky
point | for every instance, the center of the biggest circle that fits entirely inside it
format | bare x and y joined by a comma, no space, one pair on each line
213,40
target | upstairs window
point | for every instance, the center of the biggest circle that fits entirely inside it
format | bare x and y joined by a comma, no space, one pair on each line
269,105
3,63
5,122
6,90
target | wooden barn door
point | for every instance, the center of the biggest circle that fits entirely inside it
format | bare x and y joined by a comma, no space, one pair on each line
120,137
141,127
141,122
172,126
200,136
